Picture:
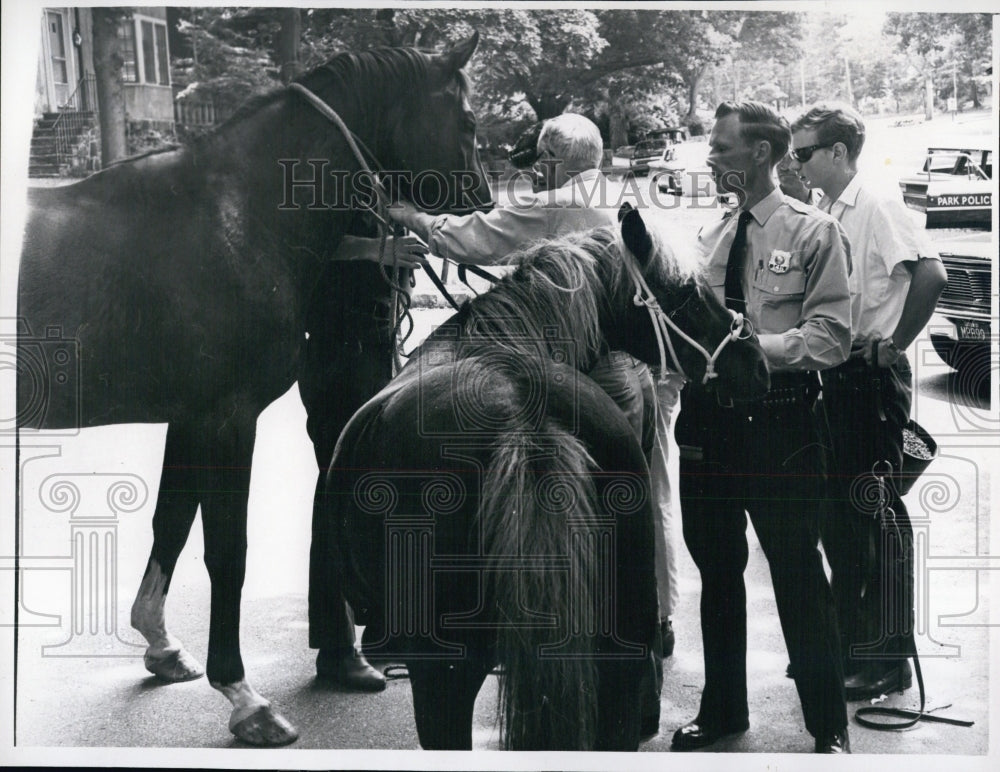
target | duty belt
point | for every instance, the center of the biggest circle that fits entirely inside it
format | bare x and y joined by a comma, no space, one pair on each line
791,389
786,389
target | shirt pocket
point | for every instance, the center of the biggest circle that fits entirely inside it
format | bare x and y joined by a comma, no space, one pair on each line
781,295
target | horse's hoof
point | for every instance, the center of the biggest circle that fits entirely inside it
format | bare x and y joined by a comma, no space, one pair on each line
264,727
175,666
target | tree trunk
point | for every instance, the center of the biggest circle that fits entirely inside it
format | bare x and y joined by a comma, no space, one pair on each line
847,81
928,98
108,63
693,88
617,123
385,21
288,43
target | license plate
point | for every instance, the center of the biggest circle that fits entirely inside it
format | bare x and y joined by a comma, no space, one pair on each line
973,331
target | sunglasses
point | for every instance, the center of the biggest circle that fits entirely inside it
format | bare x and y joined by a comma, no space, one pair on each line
803,154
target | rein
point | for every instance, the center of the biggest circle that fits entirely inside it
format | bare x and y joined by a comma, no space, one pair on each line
882,471
740,329
380,214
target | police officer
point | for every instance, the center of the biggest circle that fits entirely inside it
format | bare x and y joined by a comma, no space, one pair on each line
784,265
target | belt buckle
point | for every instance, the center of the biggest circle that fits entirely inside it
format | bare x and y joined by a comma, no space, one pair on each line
727,404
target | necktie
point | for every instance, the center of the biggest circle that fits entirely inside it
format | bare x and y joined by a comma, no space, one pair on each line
734,268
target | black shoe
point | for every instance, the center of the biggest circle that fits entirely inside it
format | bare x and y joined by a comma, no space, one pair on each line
878,679
695,735
667,637
838,742
351,670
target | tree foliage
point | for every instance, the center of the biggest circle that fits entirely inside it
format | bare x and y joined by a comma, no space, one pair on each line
936,44
629,69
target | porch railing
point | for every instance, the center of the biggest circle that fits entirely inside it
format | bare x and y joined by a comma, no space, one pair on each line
67,130
194,113
84,96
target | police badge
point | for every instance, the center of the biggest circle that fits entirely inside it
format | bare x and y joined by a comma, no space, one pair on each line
779,261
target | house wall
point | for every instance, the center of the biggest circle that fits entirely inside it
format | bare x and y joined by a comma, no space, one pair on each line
147,102
152,102
143,101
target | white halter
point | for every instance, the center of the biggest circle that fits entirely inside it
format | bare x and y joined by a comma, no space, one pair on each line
740,329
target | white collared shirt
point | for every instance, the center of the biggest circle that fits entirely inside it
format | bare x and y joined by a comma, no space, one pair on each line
883,236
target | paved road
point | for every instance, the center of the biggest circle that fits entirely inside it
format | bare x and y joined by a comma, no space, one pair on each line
99,698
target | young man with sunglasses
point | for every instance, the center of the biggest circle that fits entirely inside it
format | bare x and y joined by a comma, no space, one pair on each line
783,264
895,285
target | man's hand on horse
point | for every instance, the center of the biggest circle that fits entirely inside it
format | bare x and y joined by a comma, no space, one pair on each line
403,252
407,215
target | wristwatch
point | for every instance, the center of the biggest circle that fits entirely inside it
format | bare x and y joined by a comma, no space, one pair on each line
890,347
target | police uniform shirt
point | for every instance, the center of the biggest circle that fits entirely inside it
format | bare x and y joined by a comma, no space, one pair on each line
795,281
883,237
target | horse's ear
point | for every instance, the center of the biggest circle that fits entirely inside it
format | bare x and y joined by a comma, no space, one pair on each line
636,236
459,54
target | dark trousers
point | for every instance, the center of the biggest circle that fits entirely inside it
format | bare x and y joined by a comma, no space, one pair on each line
868,541
765,460
346,361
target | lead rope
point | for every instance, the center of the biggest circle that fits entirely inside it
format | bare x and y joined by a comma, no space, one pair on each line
881,471
886,512
400,297
740,329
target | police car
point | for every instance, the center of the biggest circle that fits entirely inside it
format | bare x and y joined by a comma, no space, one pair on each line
954,187
961,327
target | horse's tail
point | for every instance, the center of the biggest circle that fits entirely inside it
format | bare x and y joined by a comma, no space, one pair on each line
535,482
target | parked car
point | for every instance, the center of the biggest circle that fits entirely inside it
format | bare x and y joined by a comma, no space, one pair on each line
684,171
621,158
954,187
655,146
674,134
647,151
960,331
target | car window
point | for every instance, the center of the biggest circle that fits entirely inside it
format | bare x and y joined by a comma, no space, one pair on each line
943,162
650,146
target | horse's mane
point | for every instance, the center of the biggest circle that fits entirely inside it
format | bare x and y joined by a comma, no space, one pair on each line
558,290
365,74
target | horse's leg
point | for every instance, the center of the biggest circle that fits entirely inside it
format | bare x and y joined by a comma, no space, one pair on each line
624,688
224,480
176,506
444,696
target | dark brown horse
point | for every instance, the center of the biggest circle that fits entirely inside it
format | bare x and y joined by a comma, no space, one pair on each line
493,503
174,287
